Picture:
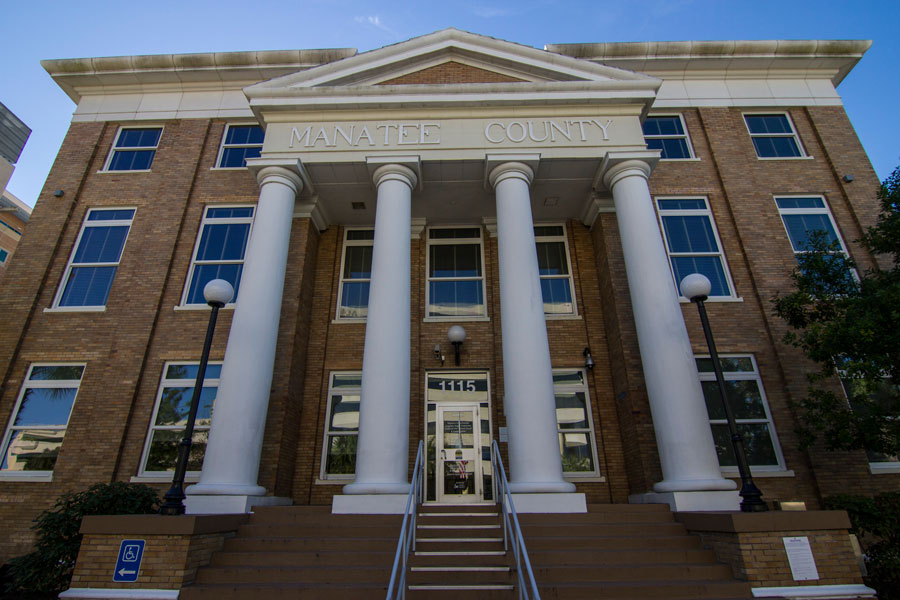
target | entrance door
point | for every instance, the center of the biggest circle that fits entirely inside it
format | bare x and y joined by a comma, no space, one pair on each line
458,452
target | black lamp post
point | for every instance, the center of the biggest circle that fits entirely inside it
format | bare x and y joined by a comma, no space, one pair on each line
217,293
696,287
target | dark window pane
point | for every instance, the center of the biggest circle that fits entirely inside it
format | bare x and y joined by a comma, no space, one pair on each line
341,458
460,260
138,138
164,450
711,266
361,234
455,298
45,406
32,450
230,212
800,202
131,160
111,215
682,204
223,241
237,157
768,124
758,445
548,230
88,286
101,244
344,413
800,226
568,377
730,364
358,262
691,233
190,372
444,234
56,373
675,148
175,403
663,126
354,300
557,296
571,411
743,397
346,381
203,274
575,450
552,258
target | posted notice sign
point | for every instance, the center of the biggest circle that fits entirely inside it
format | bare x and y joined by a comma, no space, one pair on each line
128,564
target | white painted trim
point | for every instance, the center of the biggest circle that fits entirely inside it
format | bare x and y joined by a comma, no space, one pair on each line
108,593
759,473
815,591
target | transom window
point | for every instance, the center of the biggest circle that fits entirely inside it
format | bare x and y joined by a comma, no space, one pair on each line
455,277
356,274
669,135
239,143
693,243
341,426
92,266
134,149
751,411
173,403
575,424
219,253
38,424
773,136
553,267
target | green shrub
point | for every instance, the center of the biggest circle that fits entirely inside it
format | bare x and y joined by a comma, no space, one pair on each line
877,523
48,570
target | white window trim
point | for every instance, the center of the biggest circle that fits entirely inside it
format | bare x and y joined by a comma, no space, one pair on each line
113,149
564,238
803,154
707,212
591,430
143,474
183,305
455,241
826,210
342,280
27,384
223,145
769,470
327,434
687,138
84,225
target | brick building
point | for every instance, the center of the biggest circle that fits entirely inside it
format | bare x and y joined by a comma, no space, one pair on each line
626,166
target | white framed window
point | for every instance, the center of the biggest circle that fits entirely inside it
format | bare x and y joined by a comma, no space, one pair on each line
455,274
133,149
95,259
38,424
356,274
219,251
577,441
341,425
803,215
554,268
692,243
747,399
170,413
668,134
773,136
881,392
239,143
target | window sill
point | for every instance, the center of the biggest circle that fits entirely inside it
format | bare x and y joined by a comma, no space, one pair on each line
884,468
67,309
785,157
584,478
37,476
333,481
562,317
716,299
759,474
336,321
455,319
205,307
166,478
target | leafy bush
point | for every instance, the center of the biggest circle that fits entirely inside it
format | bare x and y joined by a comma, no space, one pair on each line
877,523
48,570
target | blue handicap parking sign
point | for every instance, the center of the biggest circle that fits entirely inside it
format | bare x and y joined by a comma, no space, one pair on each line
128,564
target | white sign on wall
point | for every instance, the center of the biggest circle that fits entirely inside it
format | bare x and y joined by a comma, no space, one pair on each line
800,557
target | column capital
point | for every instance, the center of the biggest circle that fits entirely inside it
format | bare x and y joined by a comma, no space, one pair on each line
395,172
281,175
627,168
511,170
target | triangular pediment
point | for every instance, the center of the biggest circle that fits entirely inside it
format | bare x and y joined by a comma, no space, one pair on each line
451,67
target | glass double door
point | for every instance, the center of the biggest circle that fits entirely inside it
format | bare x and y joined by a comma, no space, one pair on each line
458,438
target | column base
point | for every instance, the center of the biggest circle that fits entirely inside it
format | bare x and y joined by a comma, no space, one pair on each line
232,504
550,503
366,487
691,501
370,504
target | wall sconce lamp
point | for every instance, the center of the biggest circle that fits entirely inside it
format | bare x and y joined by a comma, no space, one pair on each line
437,354
588,359
457,335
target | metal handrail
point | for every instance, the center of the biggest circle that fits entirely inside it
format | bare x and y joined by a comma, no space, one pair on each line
407,539
511,530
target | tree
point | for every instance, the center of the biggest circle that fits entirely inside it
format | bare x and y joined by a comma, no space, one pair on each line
848,322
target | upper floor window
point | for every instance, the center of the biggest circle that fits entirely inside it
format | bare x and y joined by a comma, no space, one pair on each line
773,136
239,143
553,267
219,253
40,417
134,149
356,273
455,275
574,422
693,243
170,413
341,426
802,216
751,412
669,135
92,266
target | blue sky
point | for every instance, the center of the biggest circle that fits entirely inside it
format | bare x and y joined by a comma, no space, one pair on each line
38,29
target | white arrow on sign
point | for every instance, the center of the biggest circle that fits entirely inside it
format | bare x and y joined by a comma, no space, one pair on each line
123,572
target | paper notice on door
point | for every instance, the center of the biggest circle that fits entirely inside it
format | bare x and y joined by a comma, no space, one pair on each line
800,557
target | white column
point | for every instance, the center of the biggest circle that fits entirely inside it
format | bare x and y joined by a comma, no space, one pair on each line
680,421
231,464
534,457
382,453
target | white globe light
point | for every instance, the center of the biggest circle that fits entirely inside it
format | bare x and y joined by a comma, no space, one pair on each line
456,334
695,285
218,291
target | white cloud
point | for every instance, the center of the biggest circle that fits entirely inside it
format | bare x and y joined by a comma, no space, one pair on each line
376,22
